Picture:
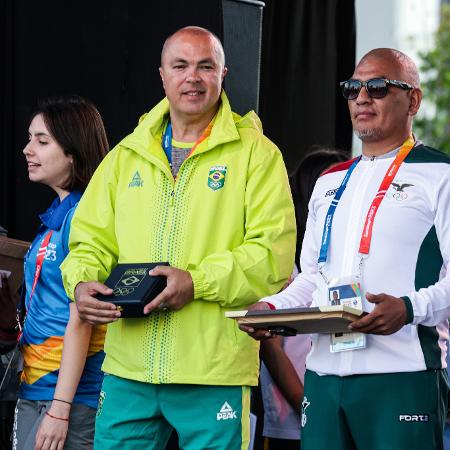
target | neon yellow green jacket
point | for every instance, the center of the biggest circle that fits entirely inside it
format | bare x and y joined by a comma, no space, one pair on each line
228,219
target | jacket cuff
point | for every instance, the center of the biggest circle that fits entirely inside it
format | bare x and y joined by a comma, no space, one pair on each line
198,280
270,305
409,310
70,283
69,287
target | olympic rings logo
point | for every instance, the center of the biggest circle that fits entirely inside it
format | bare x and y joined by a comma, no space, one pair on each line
399,196
121,292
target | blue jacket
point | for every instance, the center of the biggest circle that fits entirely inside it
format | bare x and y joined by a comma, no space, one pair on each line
48,314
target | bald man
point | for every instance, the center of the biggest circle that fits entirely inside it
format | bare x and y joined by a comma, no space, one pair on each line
378,233
202,188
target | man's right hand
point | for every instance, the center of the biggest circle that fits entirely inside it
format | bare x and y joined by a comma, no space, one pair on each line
92,310
258,334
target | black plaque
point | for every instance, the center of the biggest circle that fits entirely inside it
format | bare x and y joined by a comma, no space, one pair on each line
133,287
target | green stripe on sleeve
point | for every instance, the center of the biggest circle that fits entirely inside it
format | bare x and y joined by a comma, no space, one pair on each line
409,310
428,268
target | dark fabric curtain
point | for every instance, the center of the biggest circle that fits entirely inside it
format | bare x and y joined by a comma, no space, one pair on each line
107,51
308,47
6,110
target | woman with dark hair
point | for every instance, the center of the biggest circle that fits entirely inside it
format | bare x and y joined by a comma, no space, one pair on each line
59,388
284,359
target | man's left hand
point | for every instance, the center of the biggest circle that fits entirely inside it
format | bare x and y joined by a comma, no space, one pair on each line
179,290
388,316
258,334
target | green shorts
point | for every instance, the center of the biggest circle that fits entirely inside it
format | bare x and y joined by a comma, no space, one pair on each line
394,411
133,415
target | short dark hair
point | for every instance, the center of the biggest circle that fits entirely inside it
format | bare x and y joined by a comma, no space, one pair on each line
77,126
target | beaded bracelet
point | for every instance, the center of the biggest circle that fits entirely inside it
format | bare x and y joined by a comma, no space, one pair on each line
65,419
62,401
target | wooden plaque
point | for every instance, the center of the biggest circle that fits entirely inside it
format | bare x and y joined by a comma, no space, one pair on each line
12,252
324,319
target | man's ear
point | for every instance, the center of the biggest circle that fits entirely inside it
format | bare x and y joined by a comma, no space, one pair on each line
161,74
415,101
224,72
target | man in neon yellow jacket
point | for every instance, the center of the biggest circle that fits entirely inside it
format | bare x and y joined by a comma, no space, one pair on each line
202,188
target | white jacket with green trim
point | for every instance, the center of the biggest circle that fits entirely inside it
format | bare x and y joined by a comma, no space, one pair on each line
228,219
409,257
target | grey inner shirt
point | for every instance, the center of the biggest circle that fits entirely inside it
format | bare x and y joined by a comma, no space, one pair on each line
178,156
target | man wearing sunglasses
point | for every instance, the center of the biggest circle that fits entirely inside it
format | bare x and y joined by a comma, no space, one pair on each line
382,240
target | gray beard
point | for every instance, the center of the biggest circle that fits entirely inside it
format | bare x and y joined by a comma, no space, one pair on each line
368,135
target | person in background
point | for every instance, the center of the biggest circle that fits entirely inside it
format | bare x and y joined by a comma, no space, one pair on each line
302,182
378,231
283,368
8,316
10,361
62,355
8,311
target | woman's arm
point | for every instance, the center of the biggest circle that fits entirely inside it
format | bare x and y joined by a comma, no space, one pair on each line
282,371
75,350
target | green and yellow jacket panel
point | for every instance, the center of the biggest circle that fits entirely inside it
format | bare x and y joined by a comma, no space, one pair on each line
228,219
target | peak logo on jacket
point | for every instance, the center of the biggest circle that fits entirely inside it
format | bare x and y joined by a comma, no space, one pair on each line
136,181
216,177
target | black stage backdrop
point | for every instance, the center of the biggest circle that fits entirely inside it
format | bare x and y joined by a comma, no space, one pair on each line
308,47
108,51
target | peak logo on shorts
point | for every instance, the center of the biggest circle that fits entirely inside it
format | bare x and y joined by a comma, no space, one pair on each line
226,412
216,177
136,181
413,418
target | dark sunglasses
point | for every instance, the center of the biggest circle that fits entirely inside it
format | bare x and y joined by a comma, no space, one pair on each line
376,87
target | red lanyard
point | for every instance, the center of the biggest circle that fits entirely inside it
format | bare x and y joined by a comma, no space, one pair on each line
167,139
37,272
366,238
204,135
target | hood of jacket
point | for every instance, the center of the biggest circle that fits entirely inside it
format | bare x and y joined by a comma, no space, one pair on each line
146,137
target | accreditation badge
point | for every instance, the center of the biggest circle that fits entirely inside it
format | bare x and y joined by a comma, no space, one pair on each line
346,293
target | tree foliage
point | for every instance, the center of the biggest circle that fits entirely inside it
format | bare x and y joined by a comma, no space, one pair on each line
434,127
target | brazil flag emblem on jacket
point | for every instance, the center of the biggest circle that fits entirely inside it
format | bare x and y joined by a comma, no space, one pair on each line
216,177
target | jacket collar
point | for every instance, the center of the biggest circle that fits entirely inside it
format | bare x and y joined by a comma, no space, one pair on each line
146,138
55,215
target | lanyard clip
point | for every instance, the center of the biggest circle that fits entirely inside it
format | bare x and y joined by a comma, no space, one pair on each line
362,257
320,270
